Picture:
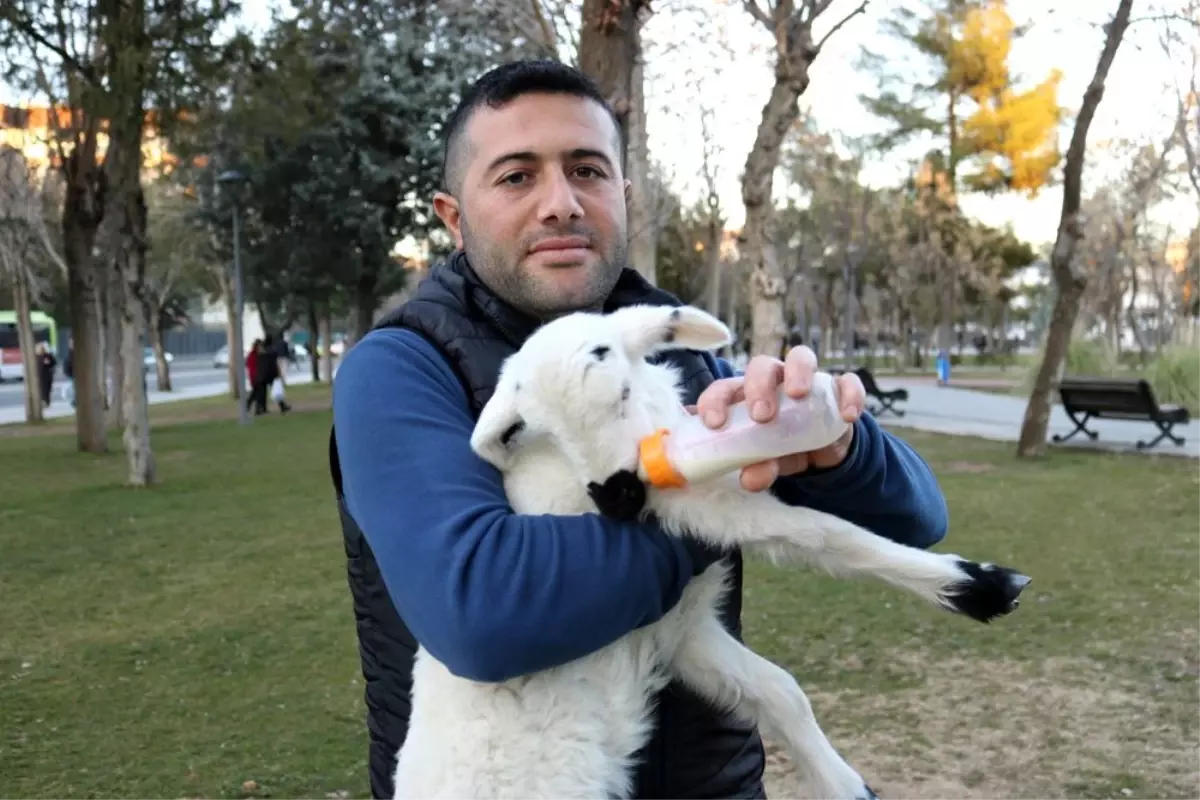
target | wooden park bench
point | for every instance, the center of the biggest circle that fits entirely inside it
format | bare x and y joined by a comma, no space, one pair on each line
1117,398
887,399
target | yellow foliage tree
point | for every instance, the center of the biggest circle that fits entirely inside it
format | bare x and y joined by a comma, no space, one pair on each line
996,136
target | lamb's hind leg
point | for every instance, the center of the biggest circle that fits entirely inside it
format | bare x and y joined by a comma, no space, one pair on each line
733,518
731,676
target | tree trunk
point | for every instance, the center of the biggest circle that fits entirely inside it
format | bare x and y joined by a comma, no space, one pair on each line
81,216
131,261
643,206
767,284
365,303
114,299
142,469
713,254
162,368
314,362
1069,278
22,306
326,336
127,54
610,52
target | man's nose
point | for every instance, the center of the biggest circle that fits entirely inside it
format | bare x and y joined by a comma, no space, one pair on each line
559,201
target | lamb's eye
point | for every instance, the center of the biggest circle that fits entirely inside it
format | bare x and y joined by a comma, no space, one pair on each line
600,352
510,434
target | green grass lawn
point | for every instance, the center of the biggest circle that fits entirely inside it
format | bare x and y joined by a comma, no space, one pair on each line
183,640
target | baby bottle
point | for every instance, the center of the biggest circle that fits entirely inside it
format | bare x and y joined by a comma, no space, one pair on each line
691,452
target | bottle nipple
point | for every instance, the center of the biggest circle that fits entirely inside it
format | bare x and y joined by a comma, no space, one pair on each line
656,465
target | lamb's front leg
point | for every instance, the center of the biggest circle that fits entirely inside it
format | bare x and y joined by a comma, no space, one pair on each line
733,677
728,516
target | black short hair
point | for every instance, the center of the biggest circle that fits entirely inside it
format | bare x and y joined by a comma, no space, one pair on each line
505,83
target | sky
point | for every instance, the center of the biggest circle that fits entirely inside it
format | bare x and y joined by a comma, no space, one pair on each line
688,69
1138,103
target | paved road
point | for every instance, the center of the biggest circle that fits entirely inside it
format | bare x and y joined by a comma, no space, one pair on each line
992,416
191,377
186,372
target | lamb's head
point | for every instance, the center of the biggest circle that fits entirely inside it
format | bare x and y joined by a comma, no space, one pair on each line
581,382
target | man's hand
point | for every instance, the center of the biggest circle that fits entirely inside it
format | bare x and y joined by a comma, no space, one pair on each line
759,387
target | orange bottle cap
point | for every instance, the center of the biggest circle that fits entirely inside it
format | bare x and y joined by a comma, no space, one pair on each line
652,451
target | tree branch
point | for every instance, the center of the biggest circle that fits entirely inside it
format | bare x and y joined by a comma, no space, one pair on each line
31,31
758,13
861,8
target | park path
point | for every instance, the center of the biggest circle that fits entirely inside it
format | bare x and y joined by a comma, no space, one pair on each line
946,409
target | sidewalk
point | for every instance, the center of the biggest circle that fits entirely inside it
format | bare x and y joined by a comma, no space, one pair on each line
993,416
15,414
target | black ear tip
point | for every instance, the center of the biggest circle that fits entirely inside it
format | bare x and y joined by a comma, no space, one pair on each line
622,496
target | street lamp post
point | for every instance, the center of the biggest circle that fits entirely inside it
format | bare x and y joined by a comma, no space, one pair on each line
234,179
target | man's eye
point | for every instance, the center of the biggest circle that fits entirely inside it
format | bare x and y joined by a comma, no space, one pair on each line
514,179
588,172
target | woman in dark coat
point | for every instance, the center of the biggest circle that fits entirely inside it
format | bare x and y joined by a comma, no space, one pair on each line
46,362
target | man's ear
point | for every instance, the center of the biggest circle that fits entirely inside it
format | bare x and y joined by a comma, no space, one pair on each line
648,329
446,207
499,425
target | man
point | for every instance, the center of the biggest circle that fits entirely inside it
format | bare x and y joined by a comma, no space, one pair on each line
535,200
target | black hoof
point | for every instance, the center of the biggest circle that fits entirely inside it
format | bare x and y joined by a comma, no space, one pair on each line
990,592
622,496
870,795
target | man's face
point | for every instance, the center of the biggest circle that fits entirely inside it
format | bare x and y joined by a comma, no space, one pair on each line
541,209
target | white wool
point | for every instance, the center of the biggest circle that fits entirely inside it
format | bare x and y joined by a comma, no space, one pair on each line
569,410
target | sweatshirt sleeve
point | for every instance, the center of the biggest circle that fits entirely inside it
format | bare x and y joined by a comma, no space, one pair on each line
883,485
490,593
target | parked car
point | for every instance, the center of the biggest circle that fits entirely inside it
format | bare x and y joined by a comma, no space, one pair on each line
221,357
148,360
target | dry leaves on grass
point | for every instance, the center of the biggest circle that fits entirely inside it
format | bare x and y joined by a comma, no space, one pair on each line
1008,730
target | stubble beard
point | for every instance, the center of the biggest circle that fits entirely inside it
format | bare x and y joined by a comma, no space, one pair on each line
504,274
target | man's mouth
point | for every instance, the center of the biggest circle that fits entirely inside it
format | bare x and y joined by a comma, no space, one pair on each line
561,244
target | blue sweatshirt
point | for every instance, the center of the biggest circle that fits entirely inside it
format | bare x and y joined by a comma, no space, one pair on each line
493,594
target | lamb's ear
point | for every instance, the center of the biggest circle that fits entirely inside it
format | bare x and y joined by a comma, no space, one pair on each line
649,329
498,426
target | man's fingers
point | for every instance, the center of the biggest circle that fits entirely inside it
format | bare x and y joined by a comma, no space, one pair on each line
798,371
759,477
714,402
793,464
852,397
763,376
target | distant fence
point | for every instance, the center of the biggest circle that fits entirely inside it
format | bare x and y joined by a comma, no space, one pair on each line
181,342
194,341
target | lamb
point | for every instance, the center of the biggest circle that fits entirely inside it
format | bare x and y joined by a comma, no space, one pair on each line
563,426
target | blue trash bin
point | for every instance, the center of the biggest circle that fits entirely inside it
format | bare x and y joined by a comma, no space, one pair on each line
943,367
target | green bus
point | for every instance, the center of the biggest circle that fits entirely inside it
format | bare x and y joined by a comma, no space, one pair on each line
44,330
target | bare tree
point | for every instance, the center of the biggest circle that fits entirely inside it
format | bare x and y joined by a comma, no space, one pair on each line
1188,104
24,249
176,252
1070,279
791,24
53,49
610,52
548,28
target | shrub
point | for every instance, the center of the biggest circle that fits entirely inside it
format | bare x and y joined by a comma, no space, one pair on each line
1091,358
1175,376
